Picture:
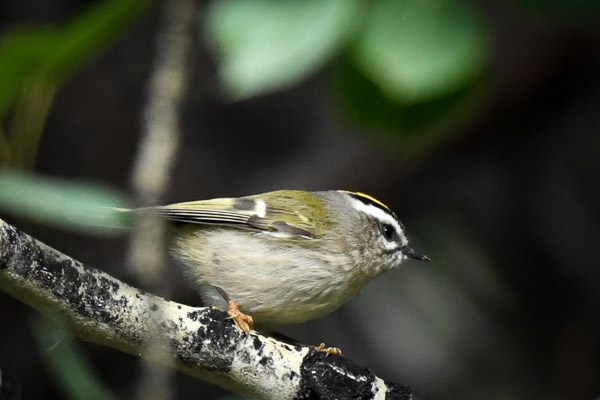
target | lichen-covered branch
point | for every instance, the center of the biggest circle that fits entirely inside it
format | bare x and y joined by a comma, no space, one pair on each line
201,341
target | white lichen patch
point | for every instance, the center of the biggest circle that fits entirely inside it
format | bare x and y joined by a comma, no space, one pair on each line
379,389
272,362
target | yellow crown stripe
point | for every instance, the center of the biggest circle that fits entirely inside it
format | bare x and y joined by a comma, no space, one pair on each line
369,199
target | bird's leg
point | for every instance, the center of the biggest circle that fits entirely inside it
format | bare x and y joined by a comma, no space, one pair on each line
244,321
329,351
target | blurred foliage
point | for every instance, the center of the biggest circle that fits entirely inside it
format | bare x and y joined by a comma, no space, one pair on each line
74,375
417,51
410,125
35,61
411,64
70,205
265,46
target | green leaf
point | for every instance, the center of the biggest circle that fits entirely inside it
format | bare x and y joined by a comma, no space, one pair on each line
409,126
415,51
69,205
57,52
71,369
263,46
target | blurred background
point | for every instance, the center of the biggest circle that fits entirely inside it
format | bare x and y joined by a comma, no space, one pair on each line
477,122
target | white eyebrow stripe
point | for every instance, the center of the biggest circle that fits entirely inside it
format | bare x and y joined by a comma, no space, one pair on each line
382,216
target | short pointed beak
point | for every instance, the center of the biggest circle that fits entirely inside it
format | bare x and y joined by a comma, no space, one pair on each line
413,254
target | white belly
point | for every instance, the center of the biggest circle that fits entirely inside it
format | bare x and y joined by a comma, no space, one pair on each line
275,282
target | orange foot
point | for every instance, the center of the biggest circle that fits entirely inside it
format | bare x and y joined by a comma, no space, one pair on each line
243,321
329,351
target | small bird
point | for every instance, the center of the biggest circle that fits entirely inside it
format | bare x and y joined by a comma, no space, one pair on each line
287,256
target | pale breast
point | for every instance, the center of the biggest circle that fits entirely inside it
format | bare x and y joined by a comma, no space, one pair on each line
277,281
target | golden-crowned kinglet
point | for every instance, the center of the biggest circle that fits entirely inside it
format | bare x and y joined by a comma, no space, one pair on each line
286,256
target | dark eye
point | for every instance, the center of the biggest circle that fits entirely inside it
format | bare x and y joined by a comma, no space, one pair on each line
389,232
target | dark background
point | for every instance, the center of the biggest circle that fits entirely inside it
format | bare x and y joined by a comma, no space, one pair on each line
508,209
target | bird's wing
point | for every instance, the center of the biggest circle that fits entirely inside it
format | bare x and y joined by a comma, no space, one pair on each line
281,215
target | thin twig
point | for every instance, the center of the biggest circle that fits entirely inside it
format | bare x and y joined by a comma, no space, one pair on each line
152,166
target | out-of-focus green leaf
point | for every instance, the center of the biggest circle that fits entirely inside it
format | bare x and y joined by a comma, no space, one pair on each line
69,205
263,46
415,125
58,52
74,374
416,51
